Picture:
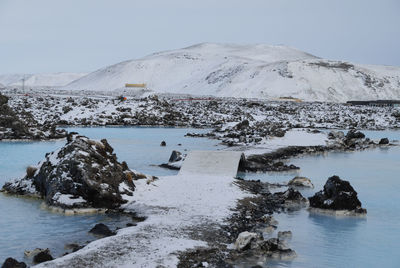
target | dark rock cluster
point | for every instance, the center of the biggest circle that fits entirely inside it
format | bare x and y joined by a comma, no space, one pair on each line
13,263
13,126
102,230
82,174
337,195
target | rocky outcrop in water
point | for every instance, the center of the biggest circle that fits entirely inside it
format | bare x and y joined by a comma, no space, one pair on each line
175,161
301,182
337,195
42,256
13,263
291,198
82,174
102,230
353,140
384,141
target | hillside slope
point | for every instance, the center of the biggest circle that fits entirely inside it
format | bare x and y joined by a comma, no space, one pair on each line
39,80
252,71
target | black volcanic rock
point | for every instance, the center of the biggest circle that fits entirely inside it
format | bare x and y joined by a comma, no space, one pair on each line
12,263
101,229
175,156
337,195
82,174
353,134
384,141
42,256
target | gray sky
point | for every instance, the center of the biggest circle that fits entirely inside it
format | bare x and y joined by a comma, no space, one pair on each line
84,35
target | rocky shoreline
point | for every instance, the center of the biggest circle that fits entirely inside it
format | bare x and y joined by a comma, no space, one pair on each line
20,125
234,122
252,214
245,238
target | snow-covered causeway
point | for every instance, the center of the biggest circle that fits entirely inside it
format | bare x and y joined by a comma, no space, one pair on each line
217,163
175,206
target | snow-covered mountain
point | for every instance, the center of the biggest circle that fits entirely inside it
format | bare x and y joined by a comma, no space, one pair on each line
252,71
39,80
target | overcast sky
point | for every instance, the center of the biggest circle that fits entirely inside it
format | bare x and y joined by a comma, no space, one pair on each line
84,35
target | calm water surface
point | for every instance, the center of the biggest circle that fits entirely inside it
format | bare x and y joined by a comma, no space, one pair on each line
320,241
327,241
24,226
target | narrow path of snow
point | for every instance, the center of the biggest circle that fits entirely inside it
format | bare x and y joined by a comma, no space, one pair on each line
175,206
221,163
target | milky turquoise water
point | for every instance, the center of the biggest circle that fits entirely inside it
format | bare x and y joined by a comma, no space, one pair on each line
320,241
327,241
24,226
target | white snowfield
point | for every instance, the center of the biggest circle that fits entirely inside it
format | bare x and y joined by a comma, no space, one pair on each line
247,71
217,163
39,80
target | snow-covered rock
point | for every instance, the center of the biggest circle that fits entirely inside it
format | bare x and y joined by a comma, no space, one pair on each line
301,182
249,71
337,195
244,239
16,127
82,174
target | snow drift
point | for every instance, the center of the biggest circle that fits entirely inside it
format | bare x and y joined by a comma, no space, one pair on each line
251,71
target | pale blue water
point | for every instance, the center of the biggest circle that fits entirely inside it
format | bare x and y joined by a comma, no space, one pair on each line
320,241
24,226
327,241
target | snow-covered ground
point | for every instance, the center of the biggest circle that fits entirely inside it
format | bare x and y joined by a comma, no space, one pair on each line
249,71
218,112
296,137
175,206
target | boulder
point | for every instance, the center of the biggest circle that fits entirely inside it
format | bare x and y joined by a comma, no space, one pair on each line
82,174
354,134
337,195
101,229
12,263
30,253
282,235
301,182
276,248
384,141
42,256
335,135
244,240
291,198
175,161
175,156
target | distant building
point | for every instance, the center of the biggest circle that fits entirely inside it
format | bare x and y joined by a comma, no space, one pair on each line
136,85
379,103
